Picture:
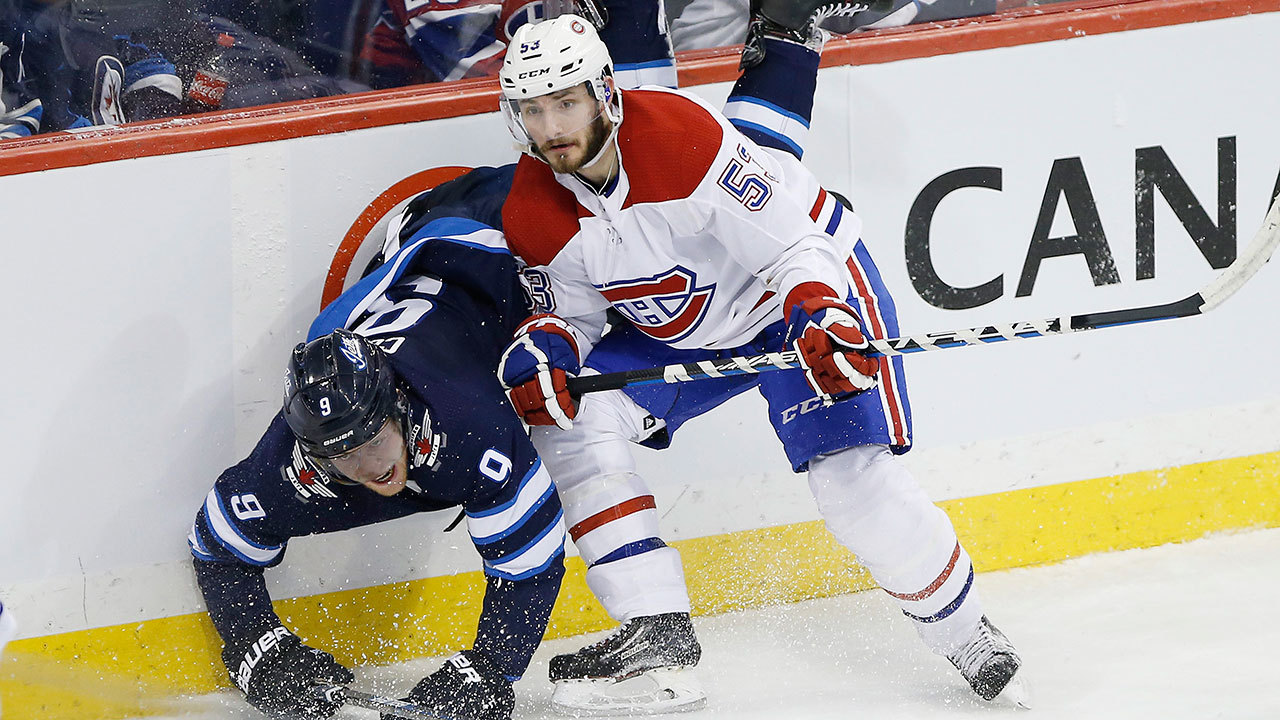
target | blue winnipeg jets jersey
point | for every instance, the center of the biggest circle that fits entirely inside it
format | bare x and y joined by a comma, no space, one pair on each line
442,308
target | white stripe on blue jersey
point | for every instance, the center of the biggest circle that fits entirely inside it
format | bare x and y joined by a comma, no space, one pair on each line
768,118
496,523
661,73
232,539
388,279
197,545
483,239
534,557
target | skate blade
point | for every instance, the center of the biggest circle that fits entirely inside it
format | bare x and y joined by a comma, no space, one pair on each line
663,690
1017,692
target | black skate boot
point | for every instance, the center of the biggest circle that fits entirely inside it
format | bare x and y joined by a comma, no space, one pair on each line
796,21
990,664
644,667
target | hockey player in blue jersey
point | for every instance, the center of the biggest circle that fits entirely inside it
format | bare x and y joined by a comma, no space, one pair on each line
392,409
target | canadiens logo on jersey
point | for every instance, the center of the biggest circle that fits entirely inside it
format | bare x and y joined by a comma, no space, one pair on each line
424,443
667,307
305,477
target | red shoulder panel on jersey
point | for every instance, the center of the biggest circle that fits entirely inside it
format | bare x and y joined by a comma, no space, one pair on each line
668,143
540,215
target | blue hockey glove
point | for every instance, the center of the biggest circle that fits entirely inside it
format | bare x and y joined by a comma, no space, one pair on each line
466,688
535,369
827,334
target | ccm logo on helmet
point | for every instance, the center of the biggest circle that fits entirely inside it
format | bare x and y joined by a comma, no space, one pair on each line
534,73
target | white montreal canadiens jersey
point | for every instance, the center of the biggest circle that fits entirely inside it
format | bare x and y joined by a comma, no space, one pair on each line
698,240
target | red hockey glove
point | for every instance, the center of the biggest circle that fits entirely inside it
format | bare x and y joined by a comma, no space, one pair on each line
535,369
828,336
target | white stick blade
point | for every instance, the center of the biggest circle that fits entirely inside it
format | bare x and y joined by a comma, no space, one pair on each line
1247,263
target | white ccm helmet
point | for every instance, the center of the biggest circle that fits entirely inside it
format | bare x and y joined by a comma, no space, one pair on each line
551,56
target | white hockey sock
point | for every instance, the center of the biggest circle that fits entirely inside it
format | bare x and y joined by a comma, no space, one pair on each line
650,583
875,508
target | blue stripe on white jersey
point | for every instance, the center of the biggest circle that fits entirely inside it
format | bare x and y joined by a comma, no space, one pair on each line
230,537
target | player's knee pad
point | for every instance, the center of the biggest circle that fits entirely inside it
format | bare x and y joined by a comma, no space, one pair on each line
649,583
598,444
870,502
609,514
607,506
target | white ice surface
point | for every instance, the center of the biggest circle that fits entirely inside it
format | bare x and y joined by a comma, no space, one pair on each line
1178,631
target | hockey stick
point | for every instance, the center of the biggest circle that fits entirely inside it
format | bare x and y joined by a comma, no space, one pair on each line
1209,297
384,705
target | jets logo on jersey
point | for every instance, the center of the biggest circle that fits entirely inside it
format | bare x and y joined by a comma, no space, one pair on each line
305,477
666,307
424,443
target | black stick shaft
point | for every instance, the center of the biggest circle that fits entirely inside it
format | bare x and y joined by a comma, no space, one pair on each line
1250,260
906,345
384,705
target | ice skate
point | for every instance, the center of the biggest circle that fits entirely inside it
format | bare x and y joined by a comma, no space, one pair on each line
645,667
796,21
990,664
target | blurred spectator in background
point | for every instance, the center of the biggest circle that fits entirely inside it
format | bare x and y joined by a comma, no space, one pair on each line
35,88
69,64
422,41
700,24
219,63
20,108
325,33
72,64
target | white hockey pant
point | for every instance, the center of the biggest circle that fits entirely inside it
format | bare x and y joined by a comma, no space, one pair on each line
875,508
609,510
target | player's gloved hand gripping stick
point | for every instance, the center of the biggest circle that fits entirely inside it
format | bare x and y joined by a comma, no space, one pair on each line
535,367
467,687
1246,265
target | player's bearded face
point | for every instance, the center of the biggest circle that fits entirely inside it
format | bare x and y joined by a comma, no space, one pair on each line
568,128
382,464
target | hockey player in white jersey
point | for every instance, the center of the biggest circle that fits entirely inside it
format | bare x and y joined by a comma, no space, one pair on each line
707,242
